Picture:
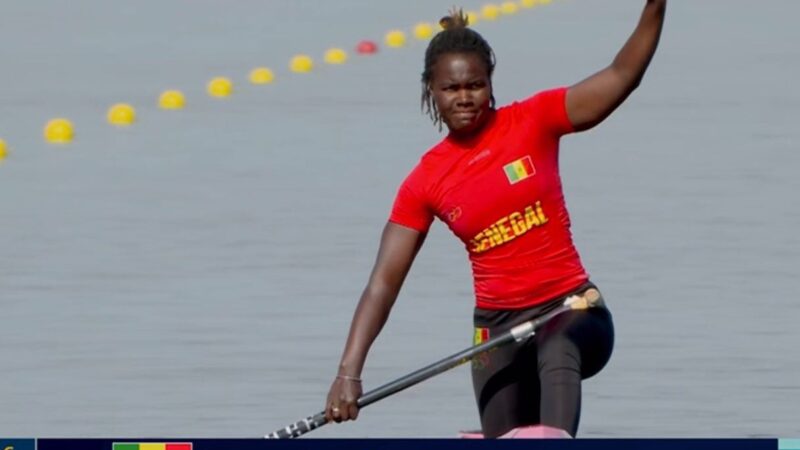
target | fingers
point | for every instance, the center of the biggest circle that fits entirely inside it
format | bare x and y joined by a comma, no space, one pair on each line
333,412
336,413
353,411
342,402
341,412
328,414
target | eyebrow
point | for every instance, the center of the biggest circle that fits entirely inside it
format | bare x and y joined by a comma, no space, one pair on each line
469,81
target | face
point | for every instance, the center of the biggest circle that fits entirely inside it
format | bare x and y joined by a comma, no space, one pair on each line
461,88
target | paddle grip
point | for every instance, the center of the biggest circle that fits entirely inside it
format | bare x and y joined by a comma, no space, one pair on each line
300,427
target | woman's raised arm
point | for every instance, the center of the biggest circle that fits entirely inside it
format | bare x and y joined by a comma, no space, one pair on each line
590,101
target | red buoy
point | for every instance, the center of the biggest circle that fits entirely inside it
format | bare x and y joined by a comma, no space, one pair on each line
367,47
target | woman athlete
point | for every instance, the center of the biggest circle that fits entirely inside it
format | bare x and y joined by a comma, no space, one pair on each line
494,181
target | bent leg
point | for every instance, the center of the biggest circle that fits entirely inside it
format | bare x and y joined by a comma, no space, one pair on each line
506,389
571,347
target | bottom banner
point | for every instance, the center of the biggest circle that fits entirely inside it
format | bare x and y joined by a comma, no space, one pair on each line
402,444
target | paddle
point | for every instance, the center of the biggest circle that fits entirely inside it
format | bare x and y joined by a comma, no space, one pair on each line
519,333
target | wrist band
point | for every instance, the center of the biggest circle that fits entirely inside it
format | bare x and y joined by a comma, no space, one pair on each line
349,378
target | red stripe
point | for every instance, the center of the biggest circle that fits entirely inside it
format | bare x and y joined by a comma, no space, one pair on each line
179,446
528,165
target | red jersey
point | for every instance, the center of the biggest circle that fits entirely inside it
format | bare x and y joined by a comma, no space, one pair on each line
500,193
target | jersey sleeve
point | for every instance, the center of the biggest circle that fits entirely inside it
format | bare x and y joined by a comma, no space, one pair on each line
411,207
548,109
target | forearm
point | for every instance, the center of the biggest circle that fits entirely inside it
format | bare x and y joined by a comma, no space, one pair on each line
368,320
398,247
593,99
632,60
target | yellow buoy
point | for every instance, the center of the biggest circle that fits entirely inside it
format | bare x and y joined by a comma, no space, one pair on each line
3,150
490,11
59,131
423,31
171,100
220,87
261,75
301,64
121,114
335,56
509,8
395,38
528,3
472,18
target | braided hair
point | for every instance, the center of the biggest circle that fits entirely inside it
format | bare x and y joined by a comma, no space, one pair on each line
454,38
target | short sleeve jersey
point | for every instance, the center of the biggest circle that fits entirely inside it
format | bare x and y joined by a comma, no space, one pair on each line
500,193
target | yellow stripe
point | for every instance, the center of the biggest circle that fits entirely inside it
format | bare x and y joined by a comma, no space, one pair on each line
520,169
152,446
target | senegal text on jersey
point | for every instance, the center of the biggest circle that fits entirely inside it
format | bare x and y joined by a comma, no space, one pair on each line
509,228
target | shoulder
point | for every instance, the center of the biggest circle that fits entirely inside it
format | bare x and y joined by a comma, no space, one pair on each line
432,159
436,154
545,110
542,101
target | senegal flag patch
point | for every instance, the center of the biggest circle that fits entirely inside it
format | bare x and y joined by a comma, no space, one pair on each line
519,170
481,336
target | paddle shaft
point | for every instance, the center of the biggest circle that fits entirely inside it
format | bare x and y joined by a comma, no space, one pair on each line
519,333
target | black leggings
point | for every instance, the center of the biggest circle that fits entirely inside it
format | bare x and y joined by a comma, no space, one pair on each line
539,381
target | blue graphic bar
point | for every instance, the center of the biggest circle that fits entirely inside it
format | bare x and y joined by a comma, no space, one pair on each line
789,444
17,444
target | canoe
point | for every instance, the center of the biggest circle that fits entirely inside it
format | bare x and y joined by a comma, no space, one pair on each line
531,432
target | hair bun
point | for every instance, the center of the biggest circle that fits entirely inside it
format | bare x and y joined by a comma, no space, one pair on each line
446,22
457,19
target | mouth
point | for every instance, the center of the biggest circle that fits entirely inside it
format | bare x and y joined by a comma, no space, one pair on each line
465,115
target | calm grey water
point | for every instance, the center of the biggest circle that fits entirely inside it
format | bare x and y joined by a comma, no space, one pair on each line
195,275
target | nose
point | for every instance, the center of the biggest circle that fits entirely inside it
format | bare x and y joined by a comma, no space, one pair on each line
464,97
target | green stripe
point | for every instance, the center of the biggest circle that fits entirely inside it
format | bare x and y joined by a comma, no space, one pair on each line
511,173
125,446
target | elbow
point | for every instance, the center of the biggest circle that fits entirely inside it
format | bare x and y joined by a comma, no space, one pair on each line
631,81
628,77
635,83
